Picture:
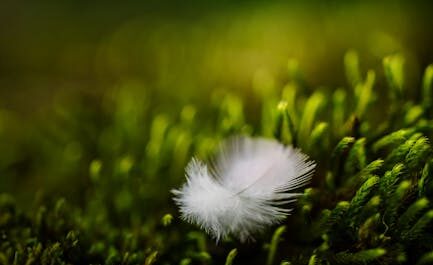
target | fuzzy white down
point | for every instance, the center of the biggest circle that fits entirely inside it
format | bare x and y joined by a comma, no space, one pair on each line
247,188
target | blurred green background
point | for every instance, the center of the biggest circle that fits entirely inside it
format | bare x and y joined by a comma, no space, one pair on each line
88,81
102,104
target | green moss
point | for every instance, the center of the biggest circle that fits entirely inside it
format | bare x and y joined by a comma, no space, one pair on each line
108,200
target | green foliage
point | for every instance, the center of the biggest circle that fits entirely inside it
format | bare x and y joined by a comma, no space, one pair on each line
231,256
115,163
361,257
274,244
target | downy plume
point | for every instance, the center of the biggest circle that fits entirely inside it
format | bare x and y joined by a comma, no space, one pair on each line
246,188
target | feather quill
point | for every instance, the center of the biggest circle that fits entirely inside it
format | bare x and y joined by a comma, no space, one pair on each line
246,188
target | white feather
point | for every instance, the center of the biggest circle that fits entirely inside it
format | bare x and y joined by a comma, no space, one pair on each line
245,191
